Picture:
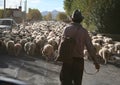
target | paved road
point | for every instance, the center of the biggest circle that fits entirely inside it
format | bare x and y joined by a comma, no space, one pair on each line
40,72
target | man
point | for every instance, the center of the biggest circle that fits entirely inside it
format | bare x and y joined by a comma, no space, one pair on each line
71,73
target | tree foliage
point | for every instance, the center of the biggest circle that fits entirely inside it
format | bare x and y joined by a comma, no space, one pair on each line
34,14
68,6
1,13
61,16
8,13
48,16
105,14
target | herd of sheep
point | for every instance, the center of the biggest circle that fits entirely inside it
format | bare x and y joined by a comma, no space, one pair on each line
42,39
106,48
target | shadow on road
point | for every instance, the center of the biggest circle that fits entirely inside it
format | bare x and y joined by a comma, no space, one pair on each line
27,64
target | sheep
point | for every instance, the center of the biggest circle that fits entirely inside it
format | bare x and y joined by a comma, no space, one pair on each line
51,34
32,48
48,51
40,42
58,39
86,54
96,36
17,49
26,47
10,47
29,48
112,49
22,42
53,43
34,30
105,54
108,40
118,52
117,46
97,47
98,40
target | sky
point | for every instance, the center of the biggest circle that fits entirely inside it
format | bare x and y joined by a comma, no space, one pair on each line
42,5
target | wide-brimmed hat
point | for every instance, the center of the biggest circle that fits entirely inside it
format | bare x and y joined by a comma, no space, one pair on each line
76,15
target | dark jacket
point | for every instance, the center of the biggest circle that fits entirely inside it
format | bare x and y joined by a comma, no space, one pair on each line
82,39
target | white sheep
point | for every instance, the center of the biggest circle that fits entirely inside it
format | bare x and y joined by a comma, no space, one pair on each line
108,40
105,54
86,54
117,46
97,47
51,34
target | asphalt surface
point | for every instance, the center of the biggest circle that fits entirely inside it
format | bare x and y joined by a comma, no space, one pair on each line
38,71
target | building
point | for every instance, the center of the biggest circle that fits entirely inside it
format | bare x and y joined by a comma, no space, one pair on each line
15,13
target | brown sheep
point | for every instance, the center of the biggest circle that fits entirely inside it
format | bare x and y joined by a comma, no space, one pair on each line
53,43
10,47
29,48
39,45
32,48
22,42
48,51
26,47
18,48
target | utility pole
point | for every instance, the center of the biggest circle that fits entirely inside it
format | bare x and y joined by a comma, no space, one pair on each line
25,8
25,11
20,2
4,8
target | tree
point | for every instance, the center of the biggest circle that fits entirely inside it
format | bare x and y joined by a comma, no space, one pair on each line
61,16
83,5
103,14
106,16
48,16
1,13
34,14
68,6
8,13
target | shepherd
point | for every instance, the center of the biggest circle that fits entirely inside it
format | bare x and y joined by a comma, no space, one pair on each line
72,69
